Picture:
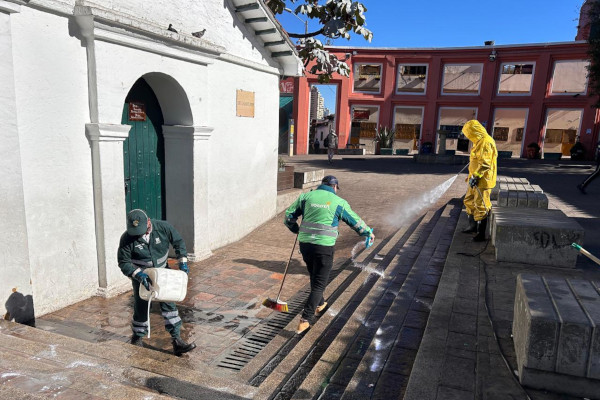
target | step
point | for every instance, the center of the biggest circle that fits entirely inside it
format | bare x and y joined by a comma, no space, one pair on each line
378,373
48,370
140,367
328,326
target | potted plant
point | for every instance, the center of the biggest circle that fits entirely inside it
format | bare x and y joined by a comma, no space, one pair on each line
285,175
385,140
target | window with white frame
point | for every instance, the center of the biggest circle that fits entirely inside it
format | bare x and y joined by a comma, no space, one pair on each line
363,127
570,77
508,129
412,78
516,78
561,130
367,77
407,127
462,78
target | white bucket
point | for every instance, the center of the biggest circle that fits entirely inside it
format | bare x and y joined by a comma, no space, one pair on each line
167,285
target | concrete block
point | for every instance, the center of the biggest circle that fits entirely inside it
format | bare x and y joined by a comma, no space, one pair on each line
513,198
523,180
536,236
308,178
522,199
503,198
532,200
542,200
537,188
555,334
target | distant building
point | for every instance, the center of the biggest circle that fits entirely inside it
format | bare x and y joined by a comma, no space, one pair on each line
317,104
523,94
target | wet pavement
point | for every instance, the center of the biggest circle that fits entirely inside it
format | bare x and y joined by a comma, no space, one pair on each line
226,290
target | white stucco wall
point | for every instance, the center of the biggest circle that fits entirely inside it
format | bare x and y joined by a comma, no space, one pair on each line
52,109
243,164
14,254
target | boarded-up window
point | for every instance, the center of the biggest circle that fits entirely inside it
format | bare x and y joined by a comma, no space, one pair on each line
367,78
462,79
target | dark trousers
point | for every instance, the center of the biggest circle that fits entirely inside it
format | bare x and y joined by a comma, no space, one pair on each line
139,323
319,261
591,177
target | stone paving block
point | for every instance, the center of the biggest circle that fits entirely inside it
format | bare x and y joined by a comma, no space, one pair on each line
522,198
535,236
459,373
537,188
513,198
449,393
555,334
532,200
503,198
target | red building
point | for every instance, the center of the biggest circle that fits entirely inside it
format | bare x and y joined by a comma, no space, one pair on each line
523,94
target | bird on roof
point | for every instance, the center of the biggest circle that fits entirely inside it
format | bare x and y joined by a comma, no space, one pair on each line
199,34
170,28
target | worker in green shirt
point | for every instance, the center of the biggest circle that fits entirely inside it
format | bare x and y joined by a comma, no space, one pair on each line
145,244
321,211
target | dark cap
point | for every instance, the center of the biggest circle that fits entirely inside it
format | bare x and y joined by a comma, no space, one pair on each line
137,222
330,180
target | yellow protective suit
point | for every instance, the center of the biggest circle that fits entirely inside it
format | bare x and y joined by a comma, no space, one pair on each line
483,164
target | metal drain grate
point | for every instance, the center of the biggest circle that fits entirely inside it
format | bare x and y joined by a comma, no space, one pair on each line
266,330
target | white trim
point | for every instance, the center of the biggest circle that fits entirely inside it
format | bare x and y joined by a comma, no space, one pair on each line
439,121
524,125
181,132
501,46
107,132
516,63
12,6
587,80
250,64
422,117
461,94
398,78
545,127
380,76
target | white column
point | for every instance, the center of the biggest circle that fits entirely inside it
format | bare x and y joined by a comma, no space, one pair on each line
187,150
106,141
15,285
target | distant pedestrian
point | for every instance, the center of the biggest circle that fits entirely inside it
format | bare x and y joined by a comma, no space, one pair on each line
316,145
331,144
593,175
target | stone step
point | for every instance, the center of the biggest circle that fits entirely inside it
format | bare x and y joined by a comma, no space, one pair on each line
53,371
384,370
299,364
139,367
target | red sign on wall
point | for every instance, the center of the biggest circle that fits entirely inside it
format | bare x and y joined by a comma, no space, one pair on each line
360,115
137,111
286,86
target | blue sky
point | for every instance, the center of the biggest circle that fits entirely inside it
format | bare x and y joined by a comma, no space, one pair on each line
438,23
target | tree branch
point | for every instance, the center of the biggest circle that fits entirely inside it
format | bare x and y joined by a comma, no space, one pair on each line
307,35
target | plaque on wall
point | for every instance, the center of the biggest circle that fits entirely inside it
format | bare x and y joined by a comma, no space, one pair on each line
367,129
519,135
137,111
406,131
500,134
244,104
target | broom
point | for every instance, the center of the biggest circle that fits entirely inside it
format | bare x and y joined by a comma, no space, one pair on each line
277,304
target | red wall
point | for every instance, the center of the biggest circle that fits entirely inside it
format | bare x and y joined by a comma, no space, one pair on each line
487,100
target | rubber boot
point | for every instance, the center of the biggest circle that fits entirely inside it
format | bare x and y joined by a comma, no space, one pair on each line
472,228
481,228
180,347
137,340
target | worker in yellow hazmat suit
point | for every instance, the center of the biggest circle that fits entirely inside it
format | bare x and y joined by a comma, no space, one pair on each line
482,178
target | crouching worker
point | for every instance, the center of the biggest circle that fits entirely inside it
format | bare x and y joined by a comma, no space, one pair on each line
482,178
145,244
321,211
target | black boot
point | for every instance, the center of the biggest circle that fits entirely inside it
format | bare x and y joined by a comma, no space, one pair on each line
472,228
481,228
180,347
137,340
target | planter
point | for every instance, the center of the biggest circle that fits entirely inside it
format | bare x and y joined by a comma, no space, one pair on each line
552,156
401,152
386,151
505,154
285,178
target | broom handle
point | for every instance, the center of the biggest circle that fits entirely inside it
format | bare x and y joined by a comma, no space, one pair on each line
286,268
587,253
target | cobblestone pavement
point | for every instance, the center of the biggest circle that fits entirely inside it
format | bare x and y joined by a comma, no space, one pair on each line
226,290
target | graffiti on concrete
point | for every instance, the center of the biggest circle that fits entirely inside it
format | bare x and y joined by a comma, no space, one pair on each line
547,240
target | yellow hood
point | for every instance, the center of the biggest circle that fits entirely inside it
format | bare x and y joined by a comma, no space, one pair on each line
474,131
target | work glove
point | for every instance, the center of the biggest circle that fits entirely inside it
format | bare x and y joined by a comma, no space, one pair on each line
473,181
184,267
143,279
295,228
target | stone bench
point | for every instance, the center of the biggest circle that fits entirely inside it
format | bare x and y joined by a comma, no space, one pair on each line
352,152
556,335
535,236
308,178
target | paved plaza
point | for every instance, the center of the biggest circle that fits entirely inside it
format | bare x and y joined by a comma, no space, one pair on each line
445,347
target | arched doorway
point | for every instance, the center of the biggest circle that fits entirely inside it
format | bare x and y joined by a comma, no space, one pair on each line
144,151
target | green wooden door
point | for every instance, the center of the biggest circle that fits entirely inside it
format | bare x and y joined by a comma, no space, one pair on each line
143,152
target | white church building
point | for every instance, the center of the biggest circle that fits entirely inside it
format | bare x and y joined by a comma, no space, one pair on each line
103,109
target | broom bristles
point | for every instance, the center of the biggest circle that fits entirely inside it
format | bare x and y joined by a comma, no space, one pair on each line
276,305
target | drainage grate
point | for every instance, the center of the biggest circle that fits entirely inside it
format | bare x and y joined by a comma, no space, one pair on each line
266,330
